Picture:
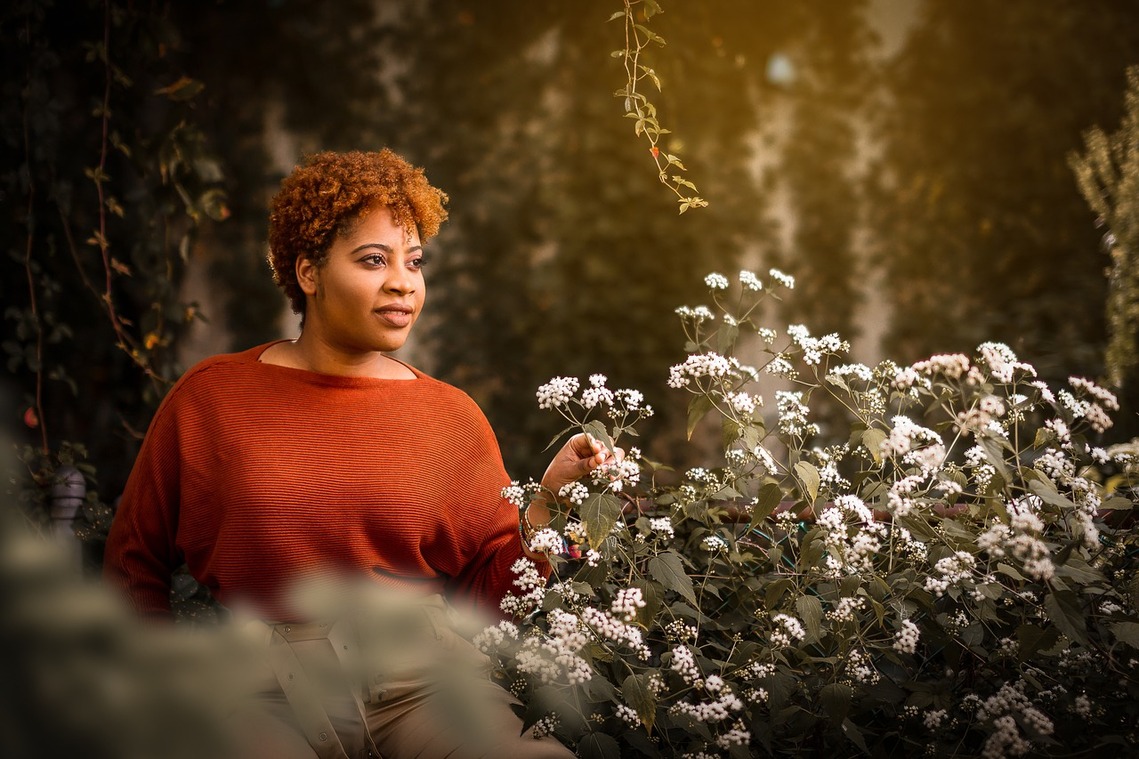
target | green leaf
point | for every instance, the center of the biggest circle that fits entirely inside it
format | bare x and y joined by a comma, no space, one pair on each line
1064,610
729,432
1044,488
726,338
697,408
598,746
668,570
1005,569
1127,632
811,610
1117,503
852,732
835,698
873,439
809,476
1032,639
599,513
640,697
775,591
768,497
598,431
557,437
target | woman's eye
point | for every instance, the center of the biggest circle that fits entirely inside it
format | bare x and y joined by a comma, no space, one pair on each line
375,260
417,263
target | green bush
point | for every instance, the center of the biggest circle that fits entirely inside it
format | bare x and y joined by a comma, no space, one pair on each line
954,578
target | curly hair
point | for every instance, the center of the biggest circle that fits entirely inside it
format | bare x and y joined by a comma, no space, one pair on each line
325,197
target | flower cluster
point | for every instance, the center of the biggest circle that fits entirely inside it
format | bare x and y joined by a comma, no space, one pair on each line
696,367
552,657
532,584
950,571
906,639
557,392
965,497
684,664
789,630
627,602
815,348
793,414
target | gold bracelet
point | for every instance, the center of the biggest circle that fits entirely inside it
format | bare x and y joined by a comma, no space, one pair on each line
525,529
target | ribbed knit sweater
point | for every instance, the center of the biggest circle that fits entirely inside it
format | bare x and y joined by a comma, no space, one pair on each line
257,475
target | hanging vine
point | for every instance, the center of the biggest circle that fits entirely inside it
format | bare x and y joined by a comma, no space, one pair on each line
638,37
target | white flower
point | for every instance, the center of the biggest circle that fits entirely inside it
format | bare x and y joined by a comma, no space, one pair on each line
952,365
791,630
742,402
597,380
905,436
780,367
546,541
714,543
616,474
858,371
631,398
492,637
574,492
684,664
749,280
515,494
950,570
793,414
628,715
784,279
663,527
1002,362
1105,397
716,281
933,718
627,602
906,639
596,396
557,392
699,365
845,609
697,315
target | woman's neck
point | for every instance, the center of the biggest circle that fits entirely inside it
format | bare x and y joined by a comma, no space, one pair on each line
310,353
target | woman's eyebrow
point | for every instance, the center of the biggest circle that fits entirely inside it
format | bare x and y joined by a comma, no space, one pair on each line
384,247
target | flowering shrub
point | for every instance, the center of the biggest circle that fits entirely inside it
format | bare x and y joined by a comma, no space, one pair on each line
950,576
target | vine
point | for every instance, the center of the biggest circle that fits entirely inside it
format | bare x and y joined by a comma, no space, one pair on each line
638,36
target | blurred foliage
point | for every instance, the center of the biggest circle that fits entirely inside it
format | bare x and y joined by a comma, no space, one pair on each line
974,211
562,256
1108,177
127,131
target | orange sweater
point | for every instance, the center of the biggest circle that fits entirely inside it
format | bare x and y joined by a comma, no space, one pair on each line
257,475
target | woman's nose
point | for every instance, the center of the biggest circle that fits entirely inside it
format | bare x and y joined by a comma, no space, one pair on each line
399,280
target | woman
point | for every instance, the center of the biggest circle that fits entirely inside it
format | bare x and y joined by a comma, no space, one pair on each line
325,457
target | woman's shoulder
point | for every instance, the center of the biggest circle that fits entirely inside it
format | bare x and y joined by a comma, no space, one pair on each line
221,362
218,372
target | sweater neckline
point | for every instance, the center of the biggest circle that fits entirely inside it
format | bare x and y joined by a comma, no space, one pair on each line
335,380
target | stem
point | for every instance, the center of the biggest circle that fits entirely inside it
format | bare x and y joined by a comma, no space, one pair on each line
28,268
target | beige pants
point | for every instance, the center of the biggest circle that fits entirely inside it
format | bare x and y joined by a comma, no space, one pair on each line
414,689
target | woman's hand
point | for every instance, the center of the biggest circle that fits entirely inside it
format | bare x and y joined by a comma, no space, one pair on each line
578,457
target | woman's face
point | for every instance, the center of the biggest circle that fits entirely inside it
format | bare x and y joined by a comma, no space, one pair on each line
370,290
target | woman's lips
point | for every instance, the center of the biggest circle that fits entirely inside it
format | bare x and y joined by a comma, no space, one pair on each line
395,316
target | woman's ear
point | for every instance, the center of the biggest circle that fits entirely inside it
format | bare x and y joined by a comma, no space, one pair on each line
307,275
